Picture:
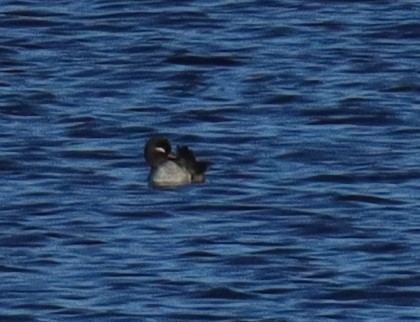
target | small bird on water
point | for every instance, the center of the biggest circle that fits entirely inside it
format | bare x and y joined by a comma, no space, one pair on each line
169,170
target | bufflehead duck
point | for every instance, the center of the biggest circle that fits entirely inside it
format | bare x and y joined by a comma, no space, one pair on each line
168,170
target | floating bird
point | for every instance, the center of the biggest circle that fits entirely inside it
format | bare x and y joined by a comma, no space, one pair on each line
169,170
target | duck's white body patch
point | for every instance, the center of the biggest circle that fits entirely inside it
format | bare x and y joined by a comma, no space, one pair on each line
169,174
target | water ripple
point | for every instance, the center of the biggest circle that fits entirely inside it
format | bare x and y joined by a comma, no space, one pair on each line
306,111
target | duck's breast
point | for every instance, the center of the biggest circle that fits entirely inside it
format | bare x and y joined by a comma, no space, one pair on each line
169,174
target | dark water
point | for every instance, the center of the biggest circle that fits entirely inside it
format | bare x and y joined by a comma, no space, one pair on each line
309,112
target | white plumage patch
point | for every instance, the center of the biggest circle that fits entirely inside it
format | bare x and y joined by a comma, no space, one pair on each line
169,174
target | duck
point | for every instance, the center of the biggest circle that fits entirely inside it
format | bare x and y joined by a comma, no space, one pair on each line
170,170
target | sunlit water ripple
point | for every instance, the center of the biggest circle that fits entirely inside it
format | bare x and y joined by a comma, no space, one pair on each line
309,113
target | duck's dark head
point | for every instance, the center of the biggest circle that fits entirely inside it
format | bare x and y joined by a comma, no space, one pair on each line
157,150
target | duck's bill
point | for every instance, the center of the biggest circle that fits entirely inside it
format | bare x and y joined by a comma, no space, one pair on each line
172,156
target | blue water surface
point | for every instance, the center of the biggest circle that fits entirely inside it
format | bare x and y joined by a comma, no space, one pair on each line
308,111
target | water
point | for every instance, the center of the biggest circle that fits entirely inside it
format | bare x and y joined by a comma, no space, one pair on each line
308,112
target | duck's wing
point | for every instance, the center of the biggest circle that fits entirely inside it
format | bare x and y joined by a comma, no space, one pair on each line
184,152
186,157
